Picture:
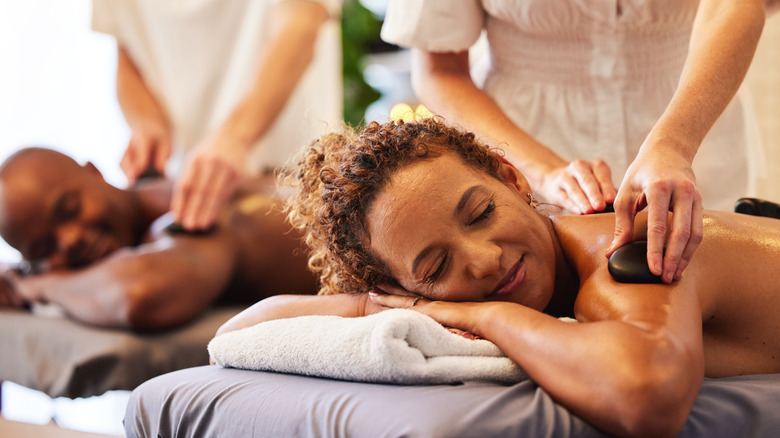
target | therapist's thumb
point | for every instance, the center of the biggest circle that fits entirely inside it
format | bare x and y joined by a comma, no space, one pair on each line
624,224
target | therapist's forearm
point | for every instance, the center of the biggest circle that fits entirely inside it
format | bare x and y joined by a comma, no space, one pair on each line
139,106
723,42
443,84
282,65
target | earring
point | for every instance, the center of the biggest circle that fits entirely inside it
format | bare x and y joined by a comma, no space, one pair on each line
533,203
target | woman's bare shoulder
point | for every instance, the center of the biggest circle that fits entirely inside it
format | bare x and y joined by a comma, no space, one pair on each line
589,233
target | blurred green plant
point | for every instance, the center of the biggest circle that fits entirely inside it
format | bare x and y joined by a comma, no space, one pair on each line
359,31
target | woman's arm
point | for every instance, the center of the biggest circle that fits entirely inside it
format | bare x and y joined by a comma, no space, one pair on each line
443,83
633,366
723,41
290,306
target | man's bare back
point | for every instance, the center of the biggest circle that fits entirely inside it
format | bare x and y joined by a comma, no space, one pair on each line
107,258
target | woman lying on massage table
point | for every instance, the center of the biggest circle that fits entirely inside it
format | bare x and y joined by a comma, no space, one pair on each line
424,216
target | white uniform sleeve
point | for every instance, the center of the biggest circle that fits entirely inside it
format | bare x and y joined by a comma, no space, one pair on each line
433,25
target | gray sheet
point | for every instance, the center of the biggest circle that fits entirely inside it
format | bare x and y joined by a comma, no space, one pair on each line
62,357
215,402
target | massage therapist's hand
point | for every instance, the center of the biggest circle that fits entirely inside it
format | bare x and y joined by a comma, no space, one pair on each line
581,187
210,176
661,179
149,148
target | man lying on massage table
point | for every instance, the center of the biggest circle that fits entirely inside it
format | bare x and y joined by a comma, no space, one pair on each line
106,256
429,219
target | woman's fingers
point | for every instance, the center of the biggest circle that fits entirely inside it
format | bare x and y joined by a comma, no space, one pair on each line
397,301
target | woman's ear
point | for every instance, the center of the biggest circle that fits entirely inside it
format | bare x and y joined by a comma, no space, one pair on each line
513,177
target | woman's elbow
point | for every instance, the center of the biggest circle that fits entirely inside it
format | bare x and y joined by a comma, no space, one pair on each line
655,416
659,397
264,310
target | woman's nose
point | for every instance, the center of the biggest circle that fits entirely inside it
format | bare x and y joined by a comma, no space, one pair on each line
484,259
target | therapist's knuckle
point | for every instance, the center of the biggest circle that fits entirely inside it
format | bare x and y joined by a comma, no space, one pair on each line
660,188
578,165
682,234
656,229
696,237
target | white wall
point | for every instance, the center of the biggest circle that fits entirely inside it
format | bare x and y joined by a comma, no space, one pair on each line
57,85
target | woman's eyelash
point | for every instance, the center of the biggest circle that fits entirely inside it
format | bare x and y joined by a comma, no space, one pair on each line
437,273
489,208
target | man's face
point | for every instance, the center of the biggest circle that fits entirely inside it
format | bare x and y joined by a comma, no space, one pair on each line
58,214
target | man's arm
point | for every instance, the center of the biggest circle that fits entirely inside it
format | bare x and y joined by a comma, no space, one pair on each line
443,83
213,169
152,286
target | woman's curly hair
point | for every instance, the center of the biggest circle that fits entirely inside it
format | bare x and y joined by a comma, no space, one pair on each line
340,175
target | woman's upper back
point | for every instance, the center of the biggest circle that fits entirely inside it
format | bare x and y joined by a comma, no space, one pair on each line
735,274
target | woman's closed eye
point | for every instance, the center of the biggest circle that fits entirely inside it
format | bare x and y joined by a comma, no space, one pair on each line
485,210
436,274
488,207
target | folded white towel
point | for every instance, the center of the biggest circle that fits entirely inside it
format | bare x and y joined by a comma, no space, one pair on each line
394,346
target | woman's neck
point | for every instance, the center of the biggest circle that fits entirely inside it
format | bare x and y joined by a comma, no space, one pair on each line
566,280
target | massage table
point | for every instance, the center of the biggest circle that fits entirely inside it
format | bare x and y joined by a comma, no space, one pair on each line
393,346
211,401
65,358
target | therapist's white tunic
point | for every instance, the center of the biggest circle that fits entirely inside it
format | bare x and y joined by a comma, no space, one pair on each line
199,58
588,78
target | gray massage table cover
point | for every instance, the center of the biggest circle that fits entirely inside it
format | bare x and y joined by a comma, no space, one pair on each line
65,358
211,401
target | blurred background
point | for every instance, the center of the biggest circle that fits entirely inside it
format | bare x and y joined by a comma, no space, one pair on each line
57,83
57,80
57,89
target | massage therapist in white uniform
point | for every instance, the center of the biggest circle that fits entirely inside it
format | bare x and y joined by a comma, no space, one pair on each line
582,95
215,90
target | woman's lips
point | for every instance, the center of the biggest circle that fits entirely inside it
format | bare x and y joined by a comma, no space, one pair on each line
511,281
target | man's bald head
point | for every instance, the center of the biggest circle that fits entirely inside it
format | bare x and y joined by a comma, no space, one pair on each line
52,206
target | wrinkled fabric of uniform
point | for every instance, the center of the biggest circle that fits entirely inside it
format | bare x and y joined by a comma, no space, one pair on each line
588,78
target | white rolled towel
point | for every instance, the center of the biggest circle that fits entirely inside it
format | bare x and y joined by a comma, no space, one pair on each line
395,346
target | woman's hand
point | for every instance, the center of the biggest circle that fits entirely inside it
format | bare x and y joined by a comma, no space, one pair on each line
208,181
582,187
662,180
459,318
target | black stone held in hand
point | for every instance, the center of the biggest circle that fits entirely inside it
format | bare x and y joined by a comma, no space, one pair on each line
628,264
